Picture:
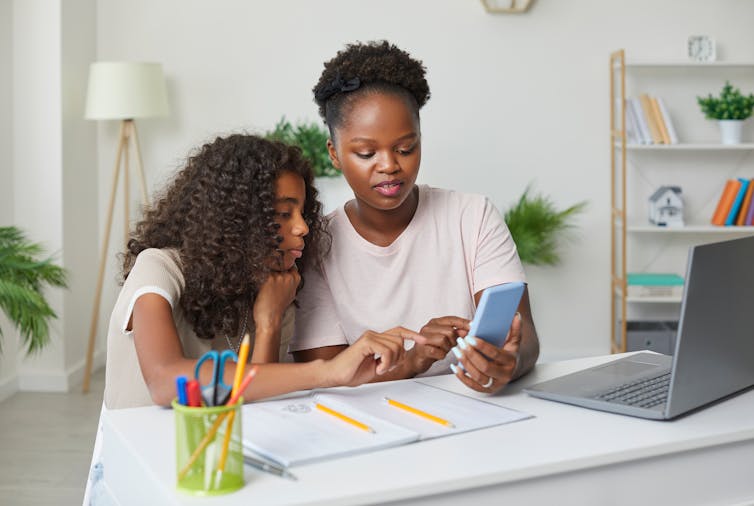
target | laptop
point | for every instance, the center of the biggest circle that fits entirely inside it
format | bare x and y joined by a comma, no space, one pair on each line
714,351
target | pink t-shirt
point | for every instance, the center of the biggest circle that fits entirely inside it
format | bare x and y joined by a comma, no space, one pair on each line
456,245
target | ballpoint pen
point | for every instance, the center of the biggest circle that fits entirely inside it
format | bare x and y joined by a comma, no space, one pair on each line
269,467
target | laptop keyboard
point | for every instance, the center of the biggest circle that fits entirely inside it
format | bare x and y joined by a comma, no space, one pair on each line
644,393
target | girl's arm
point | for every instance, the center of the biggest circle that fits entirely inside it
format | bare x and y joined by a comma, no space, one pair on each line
275,296
161,359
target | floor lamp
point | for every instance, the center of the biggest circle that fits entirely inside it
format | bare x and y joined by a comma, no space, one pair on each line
121,91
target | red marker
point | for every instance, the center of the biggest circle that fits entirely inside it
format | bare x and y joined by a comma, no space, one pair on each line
193,391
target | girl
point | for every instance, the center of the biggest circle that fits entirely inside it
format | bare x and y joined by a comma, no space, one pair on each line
218,254
404,253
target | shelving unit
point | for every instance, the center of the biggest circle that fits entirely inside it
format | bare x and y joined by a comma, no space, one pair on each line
709,164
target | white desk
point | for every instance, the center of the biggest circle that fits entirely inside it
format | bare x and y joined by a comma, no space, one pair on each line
565,455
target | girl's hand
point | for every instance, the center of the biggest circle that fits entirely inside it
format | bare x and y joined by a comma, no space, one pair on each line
488,368
276,294
373,354
441,334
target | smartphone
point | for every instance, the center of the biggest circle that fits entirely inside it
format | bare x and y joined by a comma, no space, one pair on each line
494,315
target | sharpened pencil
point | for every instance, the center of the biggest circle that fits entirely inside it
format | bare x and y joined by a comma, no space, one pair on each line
343,417
419,412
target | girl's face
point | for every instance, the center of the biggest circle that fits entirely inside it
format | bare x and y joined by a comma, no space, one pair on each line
290,194
378,149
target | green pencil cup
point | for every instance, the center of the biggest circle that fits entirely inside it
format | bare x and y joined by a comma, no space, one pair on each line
203,467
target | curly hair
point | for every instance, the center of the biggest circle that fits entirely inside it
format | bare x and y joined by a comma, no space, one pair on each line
377,66
218,214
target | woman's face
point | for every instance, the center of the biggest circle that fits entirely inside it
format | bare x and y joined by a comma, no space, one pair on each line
290,194
378,149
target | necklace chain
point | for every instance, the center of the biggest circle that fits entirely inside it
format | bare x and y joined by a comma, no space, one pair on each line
240,336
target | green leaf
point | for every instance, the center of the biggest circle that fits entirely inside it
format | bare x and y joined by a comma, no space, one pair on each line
312,139
731,104
536,227
22,280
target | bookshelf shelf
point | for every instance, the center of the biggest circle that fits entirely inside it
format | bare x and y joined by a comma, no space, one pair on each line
638,170
654,300
746,146
689,229
717,65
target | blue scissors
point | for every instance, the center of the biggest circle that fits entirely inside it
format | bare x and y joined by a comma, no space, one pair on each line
215,393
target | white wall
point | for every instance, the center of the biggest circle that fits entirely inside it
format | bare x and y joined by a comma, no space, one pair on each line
37,160
51,171
80,204
8,380
515,99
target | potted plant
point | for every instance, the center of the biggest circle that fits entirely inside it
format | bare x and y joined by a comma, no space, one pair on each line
536,225
23,277
730,109
312,138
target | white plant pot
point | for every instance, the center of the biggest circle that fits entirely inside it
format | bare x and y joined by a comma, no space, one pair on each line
730,130
333,192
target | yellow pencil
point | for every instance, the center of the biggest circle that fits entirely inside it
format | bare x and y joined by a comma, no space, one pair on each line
343,417
243,355
419,412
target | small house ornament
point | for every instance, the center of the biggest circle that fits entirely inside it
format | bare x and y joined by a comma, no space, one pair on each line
666,207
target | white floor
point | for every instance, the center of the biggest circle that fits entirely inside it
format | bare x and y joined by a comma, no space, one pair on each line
46,444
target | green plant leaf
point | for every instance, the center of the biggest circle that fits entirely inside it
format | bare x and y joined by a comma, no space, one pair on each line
536,226
22,281
731,104
311,138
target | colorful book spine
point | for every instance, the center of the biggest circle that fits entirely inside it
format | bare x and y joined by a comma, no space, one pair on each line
633,135
731,218
668,122
726,201
750,212
654,128
658,119
743,213
646,137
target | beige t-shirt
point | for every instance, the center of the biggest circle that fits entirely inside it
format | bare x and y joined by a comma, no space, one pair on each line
157,271
456,245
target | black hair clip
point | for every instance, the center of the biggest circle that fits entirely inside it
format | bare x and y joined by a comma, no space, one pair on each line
337,85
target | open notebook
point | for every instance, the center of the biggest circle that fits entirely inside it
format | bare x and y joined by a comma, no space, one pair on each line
292,431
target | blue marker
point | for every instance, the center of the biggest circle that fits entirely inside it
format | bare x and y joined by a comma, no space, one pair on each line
180,385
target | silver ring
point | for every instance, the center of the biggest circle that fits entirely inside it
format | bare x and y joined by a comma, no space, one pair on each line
488,384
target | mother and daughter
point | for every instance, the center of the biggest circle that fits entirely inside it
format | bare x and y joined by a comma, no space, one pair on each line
237,243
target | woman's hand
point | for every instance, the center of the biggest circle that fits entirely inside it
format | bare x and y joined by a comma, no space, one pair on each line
488,368
276,294
441,334
372,355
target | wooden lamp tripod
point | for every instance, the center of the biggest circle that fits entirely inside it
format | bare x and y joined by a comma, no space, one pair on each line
124,91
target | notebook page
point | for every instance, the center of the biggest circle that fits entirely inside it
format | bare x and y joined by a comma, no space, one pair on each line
292,431
466,413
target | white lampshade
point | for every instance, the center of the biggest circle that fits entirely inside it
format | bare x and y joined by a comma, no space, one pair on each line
125,90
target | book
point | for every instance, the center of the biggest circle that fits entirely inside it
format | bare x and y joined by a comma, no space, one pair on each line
749,221
659,120
743,213
668,121
737,201
654,128
291,431
633,135
726,201
654,284
644,135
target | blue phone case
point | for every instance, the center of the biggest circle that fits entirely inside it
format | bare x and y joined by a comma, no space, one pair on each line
495,313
